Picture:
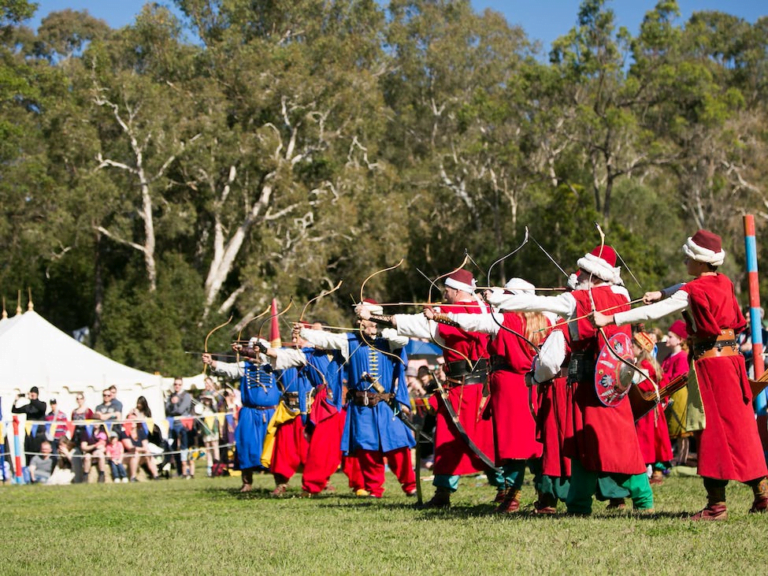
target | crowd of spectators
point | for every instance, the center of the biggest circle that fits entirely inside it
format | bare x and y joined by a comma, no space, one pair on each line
128,441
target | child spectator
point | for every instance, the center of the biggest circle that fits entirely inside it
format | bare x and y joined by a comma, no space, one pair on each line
94,447
114,451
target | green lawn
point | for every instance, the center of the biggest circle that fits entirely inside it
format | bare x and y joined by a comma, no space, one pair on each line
181,527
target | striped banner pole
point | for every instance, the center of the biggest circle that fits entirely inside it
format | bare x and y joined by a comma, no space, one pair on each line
755,321
17,448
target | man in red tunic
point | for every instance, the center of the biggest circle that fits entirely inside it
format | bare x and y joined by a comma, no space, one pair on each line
466,366
719,395
513,422
604,450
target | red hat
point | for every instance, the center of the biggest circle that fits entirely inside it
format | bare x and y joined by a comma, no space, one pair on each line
601,262
705,246
678,329
461,280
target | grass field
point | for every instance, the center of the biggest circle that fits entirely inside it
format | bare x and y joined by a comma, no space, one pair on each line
205,526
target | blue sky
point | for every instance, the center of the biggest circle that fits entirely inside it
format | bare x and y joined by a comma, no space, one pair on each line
542,20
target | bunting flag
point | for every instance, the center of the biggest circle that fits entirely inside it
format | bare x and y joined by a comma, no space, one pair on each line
209,420
89,430
71,429
274,331
146,428
221,417
2,434
230,421
48,433
52,429
109,427
165,426
188,422
128,427
150,424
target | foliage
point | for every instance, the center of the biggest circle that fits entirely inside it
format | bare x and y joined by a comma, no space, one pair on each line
153,186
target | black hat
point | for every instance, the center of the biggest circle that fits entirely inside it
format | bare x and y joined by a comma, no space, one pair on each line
34,390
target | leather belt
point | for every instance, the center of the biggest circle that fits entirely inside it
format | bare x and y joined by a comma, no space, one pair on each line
370,399
723,345
459,374
499,363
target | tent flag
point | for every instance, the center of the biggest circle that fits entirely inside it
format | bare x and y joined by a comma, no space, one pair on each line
274,331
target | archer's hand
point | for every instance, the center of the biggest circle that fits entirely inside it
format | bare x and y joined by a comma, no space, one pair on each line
651,297
208,359
405,409
430,313
600,320
362,312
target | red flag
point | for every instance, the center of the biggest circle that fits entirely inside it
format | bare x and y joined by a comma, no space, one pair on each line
274,331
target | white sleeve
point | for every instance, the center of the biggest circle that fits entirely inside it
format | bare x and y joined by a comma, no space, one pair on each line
675,303
395,340
417,326
482,323
229,369
563,305
550,359
327,340
288,359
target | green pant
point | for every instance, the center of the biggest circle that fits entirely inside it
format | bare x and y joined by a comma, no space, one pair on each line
552,488
586,483
451,482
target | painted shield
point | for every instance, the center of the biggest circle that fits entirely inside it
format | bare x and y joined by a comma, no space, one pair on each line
613,378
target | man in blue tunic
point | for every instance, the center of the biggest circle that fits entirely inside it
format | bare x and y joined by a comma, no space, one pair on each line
260,396
375,367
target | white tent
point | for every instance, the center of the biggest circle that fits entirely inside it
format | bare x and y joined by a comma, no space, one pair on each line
33,352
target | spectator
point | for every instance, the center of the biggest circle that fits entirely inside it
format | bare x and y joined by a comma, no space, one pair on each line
66,452
35,412
41,466
209,424
137,451
179,405
56,425
157,444
108,409
213,389
115,402
82,412
114,451
92,448
62,472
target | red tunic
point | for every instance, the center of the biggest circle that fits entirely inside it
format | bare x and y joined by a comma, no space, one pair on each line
513,425
604,439
551,423
452,456
729,447
652,431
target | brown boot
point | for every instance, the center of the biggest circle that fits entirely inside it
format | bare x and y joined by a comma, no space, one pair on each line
760,503
715,509
280,490
657,478
500,496
441,499
511,502
712,512
545,504
616,504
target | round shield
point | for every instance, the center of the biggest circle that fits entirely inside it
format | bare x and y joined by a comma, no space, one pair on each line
613,378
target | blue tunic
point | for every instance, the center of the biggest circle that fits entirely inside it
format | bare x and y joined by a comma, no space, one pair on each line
260,395
377,428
